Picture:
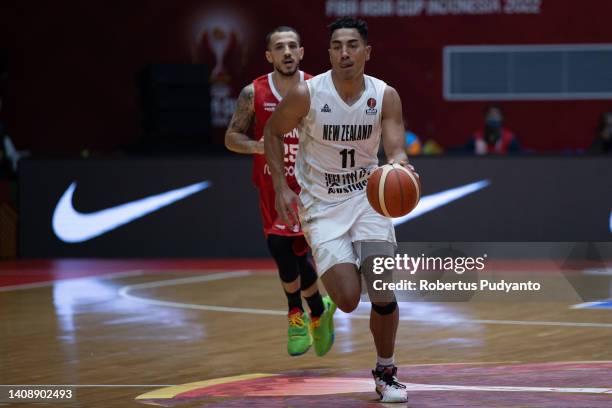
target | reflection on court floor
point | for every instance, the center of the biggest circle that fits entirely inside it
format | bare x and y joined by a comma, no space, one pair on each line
213,333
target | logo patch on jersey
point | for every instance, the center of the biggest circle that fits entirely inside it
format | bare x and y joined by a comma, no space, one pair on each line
269,106
326,109
371,107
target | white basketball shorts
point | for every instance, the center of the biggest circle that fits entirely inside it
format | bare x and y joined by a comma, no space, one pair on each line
334,230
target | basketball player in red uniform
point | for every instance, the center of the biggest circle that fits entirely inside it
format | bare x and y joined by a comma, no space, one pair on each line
287,245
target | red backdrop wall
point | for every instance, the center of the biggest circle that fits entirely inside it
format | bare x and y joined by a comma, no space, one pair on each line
72,65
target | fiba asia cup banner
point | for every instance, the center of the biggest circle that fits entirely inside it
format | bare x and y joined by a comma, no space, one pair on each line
225,37
409,39
208,207
413,8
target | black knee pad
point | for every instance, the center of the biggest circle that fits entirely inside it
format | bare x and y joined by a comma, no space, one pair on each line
386,309
282,251
308,274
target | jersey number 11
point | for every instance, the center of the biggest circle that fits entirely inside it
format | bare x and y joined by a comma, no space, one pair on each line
345,154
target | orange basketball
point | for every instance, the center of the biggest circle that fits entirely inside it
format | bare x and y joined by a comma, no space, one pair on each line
393,190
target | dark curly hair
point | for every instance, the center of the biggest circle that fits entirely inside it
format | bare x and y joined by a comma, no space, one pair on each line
350,22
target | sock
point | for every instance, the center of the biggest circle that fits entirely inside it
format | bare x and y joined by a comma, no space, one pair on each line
315,303
294,300
382,362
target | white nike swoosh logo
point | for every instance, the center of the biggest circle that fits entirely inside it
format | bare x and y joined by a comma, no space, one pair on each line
431,202
72,226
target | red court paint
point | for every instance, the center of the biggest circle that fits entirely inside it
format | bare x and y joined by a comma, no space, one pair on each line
568,384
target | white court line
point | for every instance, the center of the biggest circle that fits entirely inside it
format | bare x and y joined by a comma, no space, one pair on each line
427,387
367,384
125,292
412,387
35,285
88,385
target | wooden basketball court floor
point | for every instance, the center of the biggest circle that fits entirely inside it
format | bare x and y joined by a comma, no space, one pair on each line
192,333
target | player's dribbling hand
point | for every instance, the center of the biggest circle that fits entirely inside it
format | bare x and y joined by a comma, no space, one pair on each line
406,165
287,203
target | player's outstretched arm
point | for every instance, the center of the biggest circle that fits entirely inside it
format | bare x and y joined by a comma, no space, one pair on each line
393,133
236,138
286,117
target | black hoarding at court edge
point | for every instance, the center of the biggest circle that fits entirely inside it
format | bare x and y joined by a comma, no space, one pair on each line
208,208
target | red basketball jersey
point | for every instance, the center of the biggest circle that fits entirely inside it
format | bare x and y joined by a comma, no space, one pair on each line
266,97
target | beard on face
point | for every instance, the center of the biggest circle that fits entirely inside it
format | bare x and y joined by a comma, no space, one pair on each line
286,73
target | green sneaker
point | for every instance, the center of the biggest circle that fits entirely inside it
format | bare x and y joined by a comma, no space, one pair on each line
299,337
323,328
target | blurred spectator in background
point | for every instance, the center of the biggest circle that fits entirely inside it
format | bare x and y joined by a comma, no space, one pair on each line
413,143
3,80
602,143
5,167
9,155
493,138
415,146
1,123
432,147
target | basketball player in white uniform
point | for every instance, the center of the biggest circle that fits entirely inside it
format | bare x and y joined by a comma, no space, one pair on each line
342,116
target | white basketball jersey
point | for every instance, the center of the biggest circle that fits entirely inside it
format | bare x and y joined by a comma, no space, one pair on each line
338,143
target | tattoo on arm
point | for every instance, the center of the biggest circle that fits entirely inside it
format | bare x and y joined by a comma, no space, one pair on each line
244,113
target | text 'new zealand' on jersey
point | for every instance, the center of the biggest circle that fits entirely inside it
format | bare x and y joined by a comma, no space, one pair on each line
339,143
